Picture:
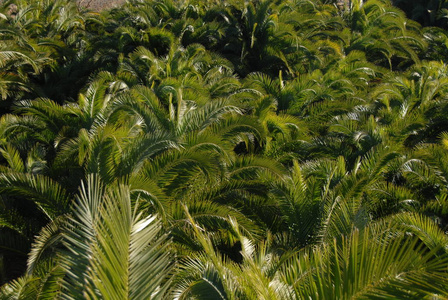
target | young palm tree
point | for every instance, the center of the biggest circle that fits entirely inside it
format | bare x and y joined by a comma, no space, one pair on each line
371,23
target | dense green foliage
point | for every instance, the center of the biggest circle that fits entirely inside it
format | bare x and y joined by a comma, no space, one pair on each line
235,149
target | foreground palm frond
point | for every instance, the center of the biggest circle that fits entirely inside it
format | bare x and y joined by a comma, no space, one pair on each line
115,252
379,262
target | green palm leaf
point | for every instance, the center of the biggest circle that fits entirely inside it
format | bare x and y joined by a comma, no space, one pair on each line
115,252
50,196
376,263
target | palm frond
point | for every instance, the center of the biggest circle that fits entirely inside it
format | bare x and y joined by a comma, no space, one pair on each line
13,158
114,251
50,196
373,263
49,238
22,288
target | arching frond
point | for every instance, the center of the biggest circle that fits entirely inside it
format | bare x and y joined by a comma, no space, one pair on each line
368,264
46,193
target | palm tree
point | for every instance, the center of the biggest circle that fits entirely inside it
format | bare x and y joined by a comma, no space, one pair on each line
371,23
114,250
30,201
360,266
356,265
111,249
417,94
208,274
255,37
20,60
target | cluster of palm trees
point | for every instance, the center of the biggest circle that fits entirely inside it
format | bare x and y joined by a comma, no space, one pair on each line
222,150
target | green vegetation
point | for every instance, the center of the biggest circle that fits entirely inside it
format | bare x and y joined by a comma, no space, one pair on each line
168,149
